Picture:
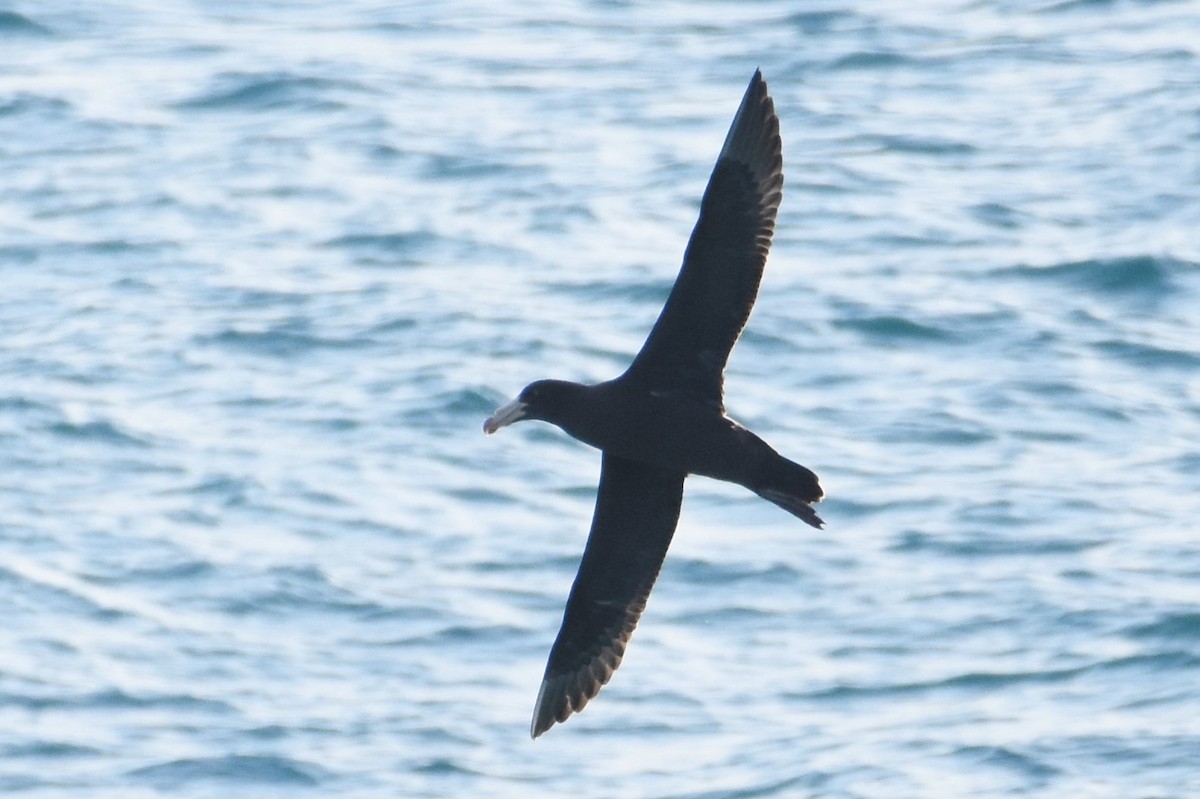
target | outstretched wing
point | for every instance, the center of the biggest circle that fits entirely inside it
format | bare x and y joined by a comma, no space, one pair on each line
637,506
686,351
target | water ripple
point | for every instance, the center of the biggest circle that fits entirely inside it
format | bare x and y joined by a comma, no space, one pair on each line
270,91
268,266
235,769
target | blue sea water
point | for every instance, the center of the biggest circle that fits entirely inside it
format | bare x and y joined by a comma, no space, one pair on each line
267,266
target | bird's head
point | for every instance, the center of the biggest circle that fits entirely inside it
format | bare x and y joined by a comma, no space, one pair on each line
544,400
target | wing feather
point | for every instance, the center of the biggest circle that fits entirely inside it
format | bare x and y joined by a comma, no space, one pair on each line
637,507
686,352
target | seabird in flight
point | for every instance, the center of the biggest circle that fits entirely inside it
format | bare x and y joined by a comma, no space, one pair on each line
664,418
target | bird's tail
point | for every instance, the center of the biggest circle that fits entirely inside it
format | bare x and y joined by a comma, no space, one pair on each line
793,488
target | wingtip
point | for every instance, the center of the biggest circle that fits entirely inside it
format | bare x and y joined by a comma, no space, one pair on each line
541,720
552,706
757,80
753,135
757,83
563,694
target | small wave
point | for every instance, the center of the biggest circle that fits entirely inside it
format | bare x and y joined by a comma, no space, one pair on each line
817,22
466,402
396,325
449,167
98,431
917,145
1149,356
114,699
32,104
649,292
480,495
787,786
232,489
13,783
441,766
474,634
264,769
295,590
1187,463
450,407
940,428
1026,765
268,732
186,570
973,681
703,572
268,298
1173,662
990,545
726,617
20,256
1133,275
48,749
873,59
332,424
1178,626
892,328
148,247
279,343
404,242
997,215
261,92
1075,5
14,24
26,405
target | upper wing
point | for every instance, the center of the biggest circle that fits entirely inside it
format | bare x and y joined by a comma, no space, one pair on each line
722,266
637,507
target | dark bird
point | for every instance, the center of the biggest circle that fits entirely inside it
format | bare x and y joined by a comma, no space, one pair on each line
664,418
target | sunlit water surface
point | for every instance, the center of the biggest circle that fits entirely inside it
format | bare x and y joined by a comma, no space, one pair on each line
267,266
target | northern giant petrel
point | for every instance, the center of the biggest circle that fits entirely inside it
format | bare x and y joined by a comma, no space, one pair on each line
665,417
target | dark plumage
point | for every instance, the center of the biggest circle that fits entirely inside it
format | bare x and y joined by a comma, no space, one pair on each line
664,418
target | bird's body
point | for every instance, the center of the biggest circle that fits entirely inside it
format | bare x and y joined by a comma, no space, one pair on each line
623,418
664,418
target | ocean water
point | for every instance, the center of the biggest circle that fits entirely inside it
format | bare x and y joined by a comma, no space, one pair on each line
267,266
